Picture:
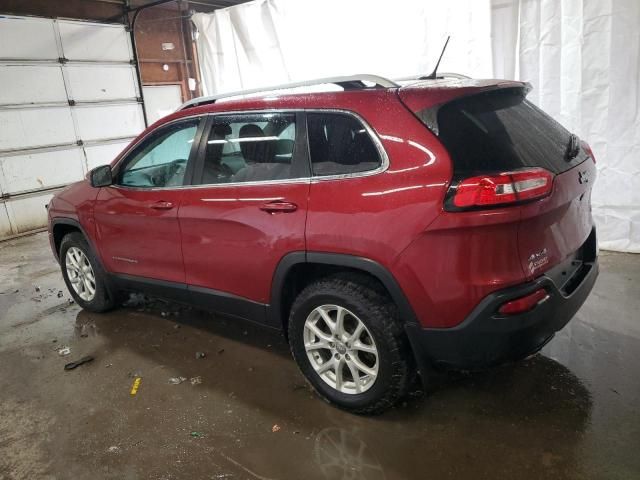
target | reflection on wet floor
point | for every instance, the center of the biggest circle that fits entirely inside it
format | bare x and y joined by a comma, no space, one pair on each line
571,412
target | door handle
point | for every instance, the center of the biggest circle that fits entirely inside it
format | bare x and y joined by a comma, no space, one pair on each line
162,205
279,207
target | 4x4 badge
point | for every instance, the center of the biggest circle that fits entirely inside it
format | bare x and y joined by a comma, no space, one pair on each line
583,176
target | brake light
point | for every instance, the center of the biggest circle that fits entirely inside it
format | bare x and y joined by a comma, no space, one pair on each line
524,304
503,188
587,148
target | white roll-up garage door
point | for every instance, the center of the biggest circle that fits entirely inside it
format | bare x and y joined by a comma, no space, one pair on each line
69,101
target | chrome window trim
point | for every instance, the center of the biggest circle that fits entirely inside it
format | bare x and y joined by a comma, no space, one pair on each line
384,158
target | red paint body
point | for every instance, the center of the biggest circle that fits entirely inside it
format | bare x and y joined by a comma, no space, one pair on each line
445,262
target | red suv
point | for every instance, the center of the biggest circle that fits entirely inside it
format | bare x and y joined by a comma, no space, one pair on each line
383,228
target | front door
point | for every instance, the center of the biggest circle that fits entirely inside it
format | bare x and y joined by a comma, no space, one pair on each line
250,207
137,217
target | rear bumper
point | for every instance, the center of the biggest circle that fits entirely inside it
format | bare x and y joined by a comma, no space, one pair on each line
487,338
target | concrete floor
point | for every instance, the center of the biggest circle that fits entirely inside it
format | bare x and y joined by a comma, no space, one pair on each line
571,412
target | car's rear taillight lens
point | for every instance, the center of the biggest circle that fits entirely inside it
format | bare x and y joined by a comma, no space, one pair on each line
587,148
524,304
503,188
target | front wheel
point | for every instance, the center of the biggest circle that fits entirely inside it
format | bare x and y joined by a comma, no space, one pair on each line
347,340
83,274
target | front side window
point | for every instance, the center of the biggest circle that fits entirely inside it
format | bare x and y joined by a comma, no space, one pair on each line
250,148
339,144
161,161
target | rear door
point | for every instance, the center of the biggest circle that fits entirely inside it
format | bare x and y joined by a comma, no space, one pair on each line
247,209
137,217
500,131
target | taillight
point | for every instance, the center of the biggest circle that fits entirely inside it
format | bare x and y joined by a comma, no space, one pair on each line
524,304
587,148
501,189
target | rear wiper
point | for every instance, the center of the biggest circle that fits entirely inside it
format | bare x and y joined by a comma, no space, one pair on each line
573,148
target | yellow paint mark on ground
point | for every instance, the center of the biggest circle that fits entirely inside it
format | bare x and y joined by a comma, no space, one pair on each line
136,385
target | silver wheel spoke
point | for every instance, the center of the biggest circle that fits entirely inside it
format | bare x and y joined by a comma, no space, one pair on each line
358,345
339,370
362,367
80,274
317,332
335,356
355,375
327,319
317,346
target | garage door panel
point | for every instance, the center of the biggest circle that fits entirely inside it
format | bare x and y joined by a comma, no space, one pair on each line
33,127
103,154
101,82
89,41
109,121
23,84
41,170
27,39
5,225
29,212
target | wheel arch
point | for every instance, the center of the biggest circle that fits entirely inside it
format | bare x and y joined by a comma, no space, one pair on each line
293,263
61,226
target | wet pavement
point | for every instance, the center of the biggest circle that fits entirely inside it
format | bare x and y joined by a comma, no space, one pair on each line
571,412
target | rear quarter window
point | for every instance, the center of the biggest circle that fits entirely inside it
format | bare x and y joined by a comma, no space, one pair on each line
340,144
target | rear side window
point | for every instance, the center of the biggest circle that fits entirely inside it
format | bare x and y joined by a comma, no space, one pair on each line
500,131
340,144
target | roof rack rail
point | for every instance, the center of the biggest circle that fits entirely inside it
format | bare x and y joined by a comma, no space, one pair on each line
351,82
424,77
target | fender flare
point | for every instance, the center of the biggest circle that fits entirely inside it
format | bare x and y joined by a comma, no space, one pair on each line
75,223
339,260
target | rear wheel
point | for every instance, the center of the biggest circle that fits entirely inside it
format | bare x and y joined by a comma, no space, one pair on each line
83,274
347,339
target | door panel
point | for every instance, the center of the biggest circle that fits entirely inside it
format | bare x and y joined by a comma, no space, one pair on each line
231,244
136,237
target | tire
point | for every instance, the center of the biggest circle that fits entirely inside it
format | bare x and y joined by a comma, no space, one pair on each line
362,303
102,300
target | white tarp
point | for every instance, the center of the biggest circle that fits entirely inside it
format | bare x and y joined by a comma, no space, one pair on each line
582,57
583,60
269,42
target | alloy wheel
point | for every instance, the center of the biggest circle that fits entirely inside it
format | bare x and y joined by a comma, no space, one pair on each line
80,274
341,349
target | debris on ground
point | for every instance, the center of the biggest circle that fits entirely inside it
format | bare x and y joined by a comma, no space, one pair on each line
197,434
176,326
113,449
134,374
220,351
108,365
196,380
200,355
71,301
177,380
77,363
64,351
250,369
60,294
136,385
37,288
275,428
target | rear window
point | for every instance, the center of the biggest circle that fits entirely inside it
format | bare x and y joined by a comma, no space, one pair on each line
501,131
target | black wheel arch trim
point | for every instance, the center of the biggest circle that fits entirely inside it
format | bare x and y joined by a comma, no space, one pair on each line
275,314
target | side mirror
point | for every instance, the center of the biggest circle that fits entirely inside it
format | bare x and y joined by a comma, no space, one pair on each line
101,176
